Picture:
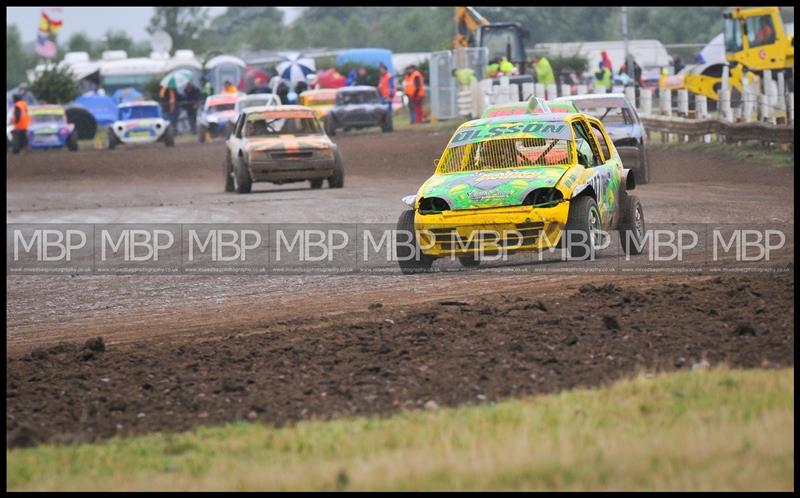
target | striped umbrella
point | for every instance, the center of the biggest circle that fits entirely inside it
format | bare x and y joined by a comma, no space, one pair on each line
177,79
295,67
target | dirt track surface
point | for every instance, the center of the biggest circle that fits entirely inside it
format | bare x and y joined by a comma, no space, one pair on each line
219,348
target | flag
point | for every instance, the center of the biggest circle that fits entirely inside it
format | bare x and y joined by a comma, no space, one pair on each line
49,25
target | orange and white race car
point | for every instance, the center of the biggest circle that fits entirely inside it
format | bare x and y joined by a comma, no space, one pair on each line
280,145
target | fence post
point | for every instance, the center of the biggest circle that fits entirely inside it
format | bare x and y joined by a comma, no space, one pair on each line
630,93
646,102
551,91
790,108
538,90
701,110
725,105
747,101
781,95
683,102
726,71
665,102
580,90
566,90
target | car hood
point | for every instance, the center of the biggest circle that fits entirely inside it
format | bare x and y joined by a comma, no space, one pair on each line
490,188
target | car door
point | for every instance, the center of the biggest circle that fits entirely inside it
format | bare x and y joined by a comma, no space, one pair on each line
609,172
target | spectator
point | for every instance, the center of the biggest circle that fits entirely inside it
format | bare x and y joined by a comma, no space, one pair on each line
283,92
207,89
300,87
386,86
20,120
464,76
544,72
602,77
493,68
414,87
228,87
313,83
361,76
169,103
677,64
192,100
606,60
352,76
637,70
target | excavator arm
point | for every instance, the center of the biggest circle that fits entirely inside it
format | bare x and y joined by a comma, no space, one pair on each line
467,23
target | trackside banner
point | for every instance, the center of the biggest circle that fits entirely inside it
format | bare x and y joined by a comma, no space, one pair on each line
111,249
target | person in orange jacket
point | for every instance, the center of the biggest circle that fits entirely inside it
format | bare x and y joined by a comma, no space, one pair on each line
386,86
414,87
20,120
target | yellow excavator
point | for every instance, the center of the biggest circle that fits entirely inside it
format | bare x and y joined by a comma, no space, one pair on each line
755,40
502,39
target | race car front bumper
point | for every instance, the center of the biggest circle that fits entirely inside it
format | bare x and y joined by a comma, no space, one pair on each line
490,230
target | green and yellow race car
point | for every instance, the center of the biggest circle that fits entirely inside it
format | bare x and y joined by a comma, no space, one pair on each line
521,181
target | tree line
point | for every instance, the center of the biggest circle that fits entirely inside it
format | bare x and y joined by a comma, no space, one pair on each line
400,29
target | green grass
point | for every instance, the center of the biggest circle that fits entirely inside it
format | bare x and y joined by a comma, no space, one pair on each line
751,151
707,430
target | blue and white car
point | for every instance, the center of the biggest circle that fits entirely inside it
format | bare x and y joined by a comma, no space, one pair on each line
140,122
213,118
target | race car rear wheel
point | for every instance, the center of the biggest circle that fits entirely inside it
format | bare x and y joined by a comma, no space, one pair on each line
330,125
72,141
227,168
410,260
315,184
242,182
387,125
580,236
632,228
169,136
336,180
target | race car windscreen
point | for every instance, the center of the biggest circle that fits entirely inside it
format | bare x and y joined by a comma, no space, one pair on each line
507,153
258,126
221,107
609,111
139,112
347,98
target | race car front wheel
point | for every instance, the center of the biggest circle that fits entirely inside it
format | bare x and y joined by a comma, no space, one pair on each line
169,136
242,182
409,256
336,180
72,141
470,261
631,229
582,233
112,139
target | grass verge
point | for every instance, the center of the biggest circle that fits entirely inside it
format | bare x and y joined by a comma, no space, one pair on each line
750,151
708,430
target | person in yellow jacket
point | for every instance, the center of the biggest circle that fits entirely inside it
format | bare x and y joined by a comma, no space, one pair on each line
464,76
544,71
602,78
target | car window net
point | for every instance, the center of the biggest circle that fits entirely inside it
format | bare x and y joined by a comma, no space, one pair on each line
506,153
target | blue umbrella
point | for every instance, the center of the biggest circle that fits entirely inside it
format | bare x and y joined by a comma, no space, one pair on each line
296,67
126,95
102,107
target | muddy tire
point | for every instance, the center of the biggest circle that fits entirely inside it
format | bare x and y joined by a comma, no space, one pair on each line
419,263
169,136
315,184
242,182
469,261
330,125
72,141
201,134
227,169
113,141
631,227
387,126
584,217
336,180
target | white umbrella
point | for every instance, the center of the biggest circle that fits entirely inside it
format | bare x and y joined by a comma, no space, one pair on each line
177,79
295,67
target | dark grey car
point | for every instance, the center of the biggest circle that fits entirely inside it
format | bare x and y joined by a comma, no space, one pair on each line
358,107
623,125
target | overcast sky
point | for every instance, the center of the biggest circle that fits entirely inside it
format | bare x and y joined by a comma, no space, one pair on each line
95,21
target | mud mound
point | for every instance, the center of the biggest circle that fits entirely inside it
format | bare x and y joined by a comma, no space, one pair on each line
448,353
